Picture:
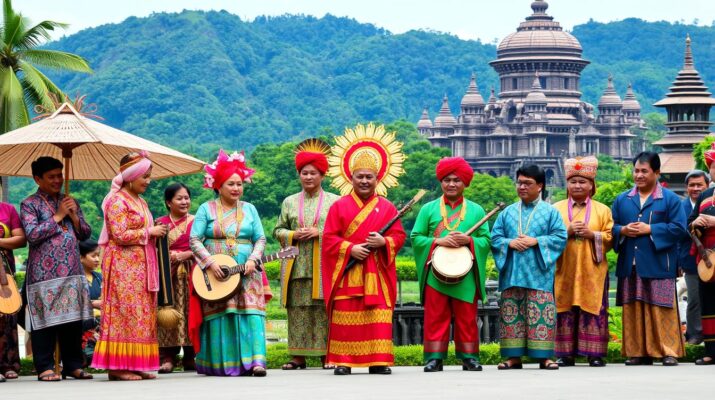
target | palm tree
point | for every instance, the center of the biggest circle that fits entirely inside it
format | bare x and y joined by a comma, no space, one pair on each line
22,85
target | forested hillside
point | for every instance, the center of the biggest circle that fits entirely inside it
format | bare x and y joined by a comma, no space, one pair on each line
199,80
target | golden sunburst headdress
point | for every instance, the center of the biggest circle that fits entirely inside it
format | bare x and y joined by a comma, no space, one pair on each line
366,147
312,151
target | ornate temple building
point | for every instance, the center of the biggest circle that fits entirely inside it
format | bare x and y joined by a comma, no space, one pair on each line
688,105
538,115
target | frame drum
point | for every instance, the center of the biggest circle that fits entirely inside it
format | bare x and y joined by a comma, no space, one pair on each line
451,264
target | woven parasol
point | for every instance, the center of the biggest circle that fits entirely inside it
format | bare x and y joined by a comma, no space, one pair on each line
91,150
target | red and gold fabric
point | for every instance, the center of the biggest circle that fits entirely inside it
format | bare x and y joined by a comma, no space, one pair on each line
359,302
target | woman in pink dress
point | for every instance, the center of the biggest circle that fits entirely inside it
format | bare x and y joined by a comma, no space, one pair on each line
127,345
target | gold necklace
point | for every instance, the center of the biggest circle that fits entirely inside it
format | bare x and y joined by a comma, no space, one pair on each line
443,213
179,227
230,239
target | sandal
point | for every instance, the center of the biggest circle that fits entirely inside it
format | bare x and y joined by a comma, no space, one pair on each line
291,365
548,364
10,374
166,368
700,361
259,371
82,374
325,364
51,377
510,364
124,376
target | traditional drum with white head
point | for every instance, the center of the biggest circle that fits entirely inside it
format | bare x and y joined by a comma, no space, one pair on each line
451,264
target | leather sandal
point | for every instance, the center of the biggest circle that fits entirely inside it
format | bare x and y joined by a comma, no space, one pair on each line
703,361
259,371
82,374
167,367
291,365
10,374
509,364
670,361
341,370
51,377
548,364
323,360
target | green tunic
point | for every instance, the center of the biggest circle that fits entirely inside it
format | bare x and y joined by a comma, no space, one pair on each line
422,236
301,283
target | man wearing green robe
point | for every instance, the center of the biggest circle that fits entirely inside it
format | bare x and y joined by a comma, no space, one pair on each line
442,222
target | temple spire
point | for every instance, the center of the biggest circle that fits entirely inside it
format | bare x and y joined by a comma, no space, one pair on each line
689,63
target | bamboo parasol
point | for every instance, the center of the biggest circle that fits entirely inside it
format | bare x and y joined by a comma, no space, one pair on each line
90,150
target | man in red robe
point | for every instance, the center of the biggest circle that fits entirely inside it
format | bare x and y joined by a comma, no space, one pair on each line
360,300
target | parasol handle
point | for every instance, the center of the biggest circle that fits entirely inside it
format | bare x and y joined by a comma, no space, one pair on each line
67,155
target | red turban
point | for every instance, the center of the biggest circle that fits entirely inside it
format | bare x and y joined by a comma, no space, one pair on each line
457,166
709,155
319,161
226,165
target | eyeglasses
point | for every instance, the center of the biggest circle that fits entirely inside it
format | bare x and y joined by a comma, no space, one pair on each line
526,184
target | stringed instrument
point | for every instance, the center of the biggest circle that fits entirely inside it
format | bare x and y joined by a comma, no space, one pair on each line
451,264
706,266
10,300
211,288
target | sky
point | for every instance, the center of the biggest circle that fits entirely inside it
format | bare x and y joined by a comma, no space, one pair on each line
487,20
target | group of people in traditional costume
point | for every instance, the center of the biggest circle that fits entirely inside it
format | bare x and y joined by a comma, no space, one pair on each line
340,290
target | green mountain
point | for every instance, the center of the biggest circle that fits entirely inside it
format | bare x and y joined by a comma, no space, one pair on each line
199,80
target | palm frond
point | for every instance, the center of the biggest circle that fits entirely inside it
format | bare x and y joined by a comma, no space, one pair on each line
37,34
33,80
13,110
14,26
56,60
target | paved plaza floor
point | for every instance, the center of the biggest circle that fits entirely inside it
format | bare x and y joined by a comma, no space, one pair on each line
580,382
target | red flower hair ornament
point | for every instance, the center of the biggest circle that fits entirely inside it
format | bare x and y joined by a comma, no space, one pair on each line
226,165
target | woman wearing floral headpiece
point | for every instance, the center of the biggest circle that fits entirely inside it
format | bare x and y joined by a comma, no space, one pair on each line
127,345
230,336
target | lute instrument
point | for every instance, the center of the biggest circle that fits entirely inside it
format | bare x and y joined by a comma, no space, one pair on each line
451,264
402,211
10,300
211,288
706,270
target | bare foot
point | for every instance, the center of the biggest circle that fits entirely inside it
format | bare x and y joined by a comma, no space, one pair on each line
123,376
145,375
